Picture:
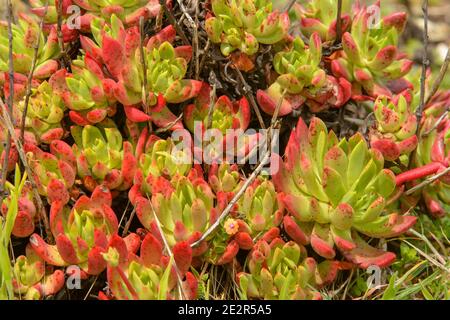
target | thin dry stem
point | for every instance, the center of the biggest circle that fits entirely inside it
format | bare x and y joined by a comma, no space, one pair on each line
249,95
31,73
6,119
8,112
236,197
427,181
425,62
440,77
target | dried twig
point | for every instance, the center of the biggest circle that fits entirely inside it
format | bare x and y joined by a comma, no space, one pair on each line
236,197
195,43
166,245
128,224
436,124
6,119
425,239
425,62
212,100
174,23
440,77
31,73
249,95
289,5
427,181
10,101
144,70
338,23
170,125
60,35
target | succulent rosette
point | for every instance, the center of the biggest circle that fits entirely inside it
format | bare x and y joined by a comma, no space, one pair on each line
151,275
89,92
166,66
279,270
259,207
26,32
82,233
371,58
46,109
394,133
26,217
13,156
335,191
185,208
244,24
157,158
227,122
31,279
434,152
301,79
54,171
320,16
128,11
103,158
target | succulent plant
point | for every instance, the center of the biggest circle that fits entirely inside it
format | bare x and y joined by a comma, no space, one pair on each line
103,158
260,209
82,233
184,207
301,78
26,31
224,177
228,121
31,279
320,16
371,55
336,190
89,94
54,171
226,114
243,24
157,158
152,275
394,133
166,66
280,270
26,217
434,152
46,109
13,156
128,11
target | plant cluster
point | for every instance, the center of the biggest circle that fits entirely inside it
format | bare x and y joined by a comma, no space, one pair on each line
114,193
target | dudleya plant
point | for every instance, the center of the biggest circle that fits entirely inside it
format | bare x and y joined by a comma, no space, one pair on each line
158,160
26,217
434,152
128,11
336,190
118,50
89,92
103,158
31,279
82,233
301,78
46,109
54,171
320,16
371,56
26,31
279,270
394,133
244,24
259,207
151,275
